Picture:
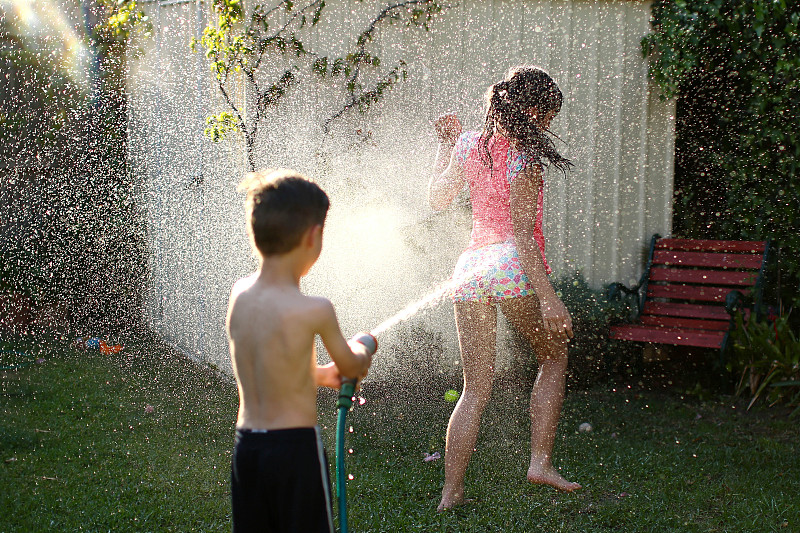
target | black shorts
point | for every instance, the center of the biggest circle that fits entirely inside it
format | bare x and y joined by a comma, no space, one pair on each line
280,482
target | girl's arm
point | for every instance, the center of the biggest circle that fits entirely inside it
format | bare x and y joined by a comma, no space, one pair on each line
448,175
524,198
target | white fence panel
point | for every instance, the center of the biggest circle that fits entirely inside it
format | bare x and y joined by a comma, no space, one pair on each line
383,246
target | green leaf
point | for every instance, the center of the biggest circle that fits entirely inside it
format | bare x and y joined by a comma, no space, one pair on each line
795,383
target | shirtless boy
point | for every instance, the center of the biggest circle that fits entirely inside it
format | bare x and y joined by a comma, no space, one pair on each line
279,474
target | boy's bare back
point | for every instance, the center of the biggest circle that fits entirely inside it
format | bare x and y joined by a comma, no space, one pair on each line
271,344
271,329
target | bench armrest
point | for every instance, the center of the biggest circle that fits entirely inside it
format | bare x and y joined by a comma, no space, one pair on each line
615,290
734,301
621,293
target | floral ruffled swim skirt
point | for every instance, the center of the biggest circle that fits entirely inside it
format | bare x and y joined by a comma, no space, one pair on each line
490,273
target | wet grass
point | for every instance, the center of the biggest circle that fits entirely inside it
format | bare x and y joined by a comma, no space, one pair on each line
80,451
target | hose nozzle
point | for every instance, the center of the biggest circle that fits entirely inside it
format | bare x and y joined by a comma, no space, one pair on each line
368,341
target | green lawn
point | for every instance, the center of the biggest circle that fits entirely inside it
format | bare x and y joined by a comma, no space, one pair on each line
80,451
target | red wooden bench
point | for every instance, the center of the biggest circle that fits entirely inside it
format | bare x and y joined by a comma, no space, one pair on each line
690,290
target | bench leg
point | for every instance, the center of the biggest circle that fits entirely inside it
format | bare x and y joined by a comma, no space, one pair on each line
655,352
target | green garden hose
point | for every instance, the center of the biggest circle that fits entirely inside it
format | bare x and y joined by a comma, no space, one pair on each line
343,404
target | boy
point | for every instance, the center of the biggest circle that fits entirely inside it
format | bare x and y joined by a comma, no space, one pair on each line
279,474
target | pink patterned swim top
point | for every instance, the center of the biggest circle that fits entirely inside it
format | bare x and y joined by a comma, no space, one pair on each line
490,192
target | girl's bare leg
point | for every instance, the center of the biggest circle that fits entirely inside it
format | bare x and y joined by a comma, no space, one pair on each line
547,396
477,327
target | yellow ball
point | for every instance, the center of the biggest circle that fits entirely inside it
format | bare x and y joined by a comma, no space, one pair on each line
451,395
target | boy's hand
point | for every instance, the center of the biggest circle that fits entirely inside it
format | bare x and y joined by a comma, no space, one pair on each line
329,376
364,353
448,128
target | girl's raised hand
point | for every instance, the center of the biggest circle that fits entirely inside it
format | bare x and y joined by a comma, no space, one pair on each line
448,128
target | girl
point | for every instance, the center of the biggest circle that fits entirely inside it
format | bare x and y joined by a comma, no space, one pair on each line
504,264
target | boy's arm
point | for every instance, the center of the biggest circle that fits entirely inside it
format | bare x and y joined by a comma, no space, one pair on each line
352,359
328,376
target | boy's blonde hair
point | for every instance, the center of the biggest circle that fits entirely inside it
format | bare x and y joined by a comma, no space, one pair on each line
281,205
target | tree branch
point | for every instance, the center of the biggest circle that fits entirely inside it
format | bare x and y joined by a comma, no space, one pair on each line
317,3
232,47
229,101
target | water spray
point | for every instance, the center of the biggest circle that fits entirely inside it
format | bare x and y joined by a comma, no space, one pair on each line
343,404
429,300
347,391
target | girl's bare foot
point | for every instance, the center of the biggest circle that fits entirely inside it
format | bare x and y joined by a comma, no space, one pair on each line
451,500
548,475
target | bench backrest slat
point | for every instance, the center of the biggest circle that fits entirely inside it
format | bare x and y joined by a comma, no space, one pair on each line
691,292
707,245
704,259
702,276
709,312
681,322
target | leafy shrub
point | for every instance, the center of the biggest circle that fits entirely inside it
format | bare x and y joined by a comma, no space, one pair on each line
71,233
766,355
733,65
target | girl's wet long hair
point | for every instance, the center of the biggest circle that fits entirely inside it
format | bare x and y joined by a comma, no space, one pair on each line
507,105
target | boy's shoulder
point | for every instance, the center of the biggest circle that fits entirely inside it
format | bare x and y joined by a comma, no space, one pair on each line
294,298
318,304
244,283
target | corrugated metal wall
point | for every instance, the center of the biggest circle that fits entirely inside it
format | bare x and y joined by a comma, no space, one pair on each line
383,246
